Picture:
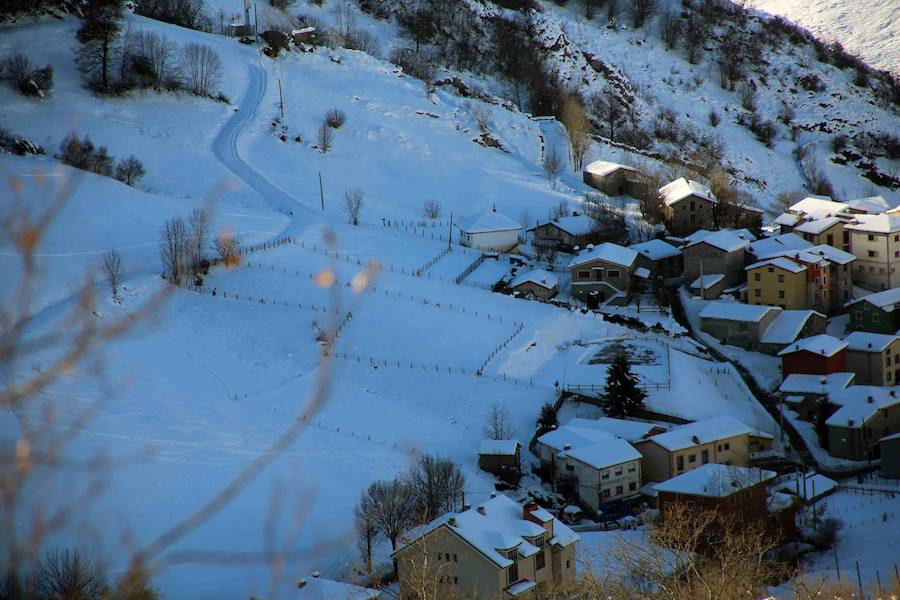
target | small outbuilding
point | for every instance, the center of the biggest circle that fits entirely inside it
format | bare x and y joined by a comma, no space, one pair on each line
890,456
614,179
489,230
500,457
737,324
538,283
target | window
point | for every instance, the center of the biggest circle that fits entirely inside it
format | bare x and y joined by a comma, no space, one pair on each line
632,486
455,558
875,317
512,571
570,468
757,276
584,274
568,564
631,469
692,458
780,278
605,493
727,445
679,463
704,456
693,205
605,475
781,293
539,558
757,293
618,473
619,490
871,237
612,274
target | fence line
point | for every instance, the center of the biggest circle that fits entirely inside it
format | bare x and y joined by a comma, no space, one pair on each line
433,261
468,270
499,348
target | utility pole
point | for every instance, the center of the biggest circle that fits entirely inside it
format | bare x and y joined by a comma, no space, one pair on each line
321,191
255,25
280,98
450,233
702,295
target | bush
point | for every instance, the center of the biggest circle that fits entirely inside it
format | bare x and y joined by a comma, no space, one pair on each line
335,118
201,68
75,152
714,118
839,143
30,82
82,154
764,129
811,83
184,13
413,64
17,145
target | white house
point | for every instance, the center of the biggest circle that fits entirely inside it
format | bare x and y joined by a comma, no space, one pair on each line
489,230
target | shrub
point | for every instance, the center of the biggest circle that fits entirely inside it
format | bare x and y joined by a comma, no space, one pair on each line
29,81
201,68
184,13
413,64
811,83
431,209
335,118
17,145
130,170
714,118
838,143
764,129
75,152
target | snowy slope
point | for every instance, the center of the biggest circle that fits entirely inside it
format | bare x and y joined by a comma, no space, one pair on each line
868,28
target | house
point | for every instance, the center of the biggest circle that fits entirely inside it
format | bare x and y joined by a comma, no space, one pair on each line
875,241
890,456
874,358
722,440
802,392
497,549
317,588
827,230
688,206
603,272
866,415
737,324
817,355
565,233
614,179
716,252
878,312
791,283
661,258
604,470
500,457
305,35
739,495
788,326
839,276
537,283
818,207
489,230
709,286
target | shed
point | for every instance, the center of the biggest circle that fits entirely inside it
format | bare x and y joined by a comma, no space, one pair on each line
538,283
489,230
500,457
709,286
737,324
614,179
890,456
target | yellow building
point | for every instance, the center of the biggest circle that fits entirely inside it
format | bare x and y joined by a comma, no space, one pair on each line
500,549
790,284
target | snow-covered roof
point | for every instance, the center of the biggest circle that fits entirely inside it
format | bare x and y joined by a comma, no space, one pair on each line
497,524
890,438
715,481
573,225
785,328
656,249
681,188
539,277
769,246
488,221
802,383
707,281
736,311
591,446
603,454
787,219
520,587
602,167
858,403
316,588
626,429
817,226
779,262
809,486
701,432
883,223
832,254
724,239
873,205
607,251
498,447
818,206
822,344
888,300
869,342
642,272
303,30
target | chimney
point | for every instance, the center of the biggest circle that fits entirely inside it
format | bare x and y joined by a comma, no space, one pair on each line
695,439
567,446
301,584
493,494
466,506
870,344
527,514
481,510
870,399
315,574
494,208
452,521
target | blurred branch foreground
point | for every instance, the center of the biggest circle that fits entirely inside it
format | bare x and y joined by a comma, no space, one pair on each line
38,426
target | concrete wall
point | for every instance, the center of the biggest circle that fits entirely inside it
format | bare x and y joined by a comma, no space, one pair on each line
730,264
690,214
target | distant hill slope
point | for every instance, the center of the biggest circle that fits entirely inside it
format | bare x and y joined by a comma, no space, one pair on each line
867,28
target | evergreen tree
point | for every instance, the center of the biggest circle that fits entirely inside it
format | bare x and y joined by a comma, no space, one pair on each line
660,292
98,33
623,395
823,411
547,419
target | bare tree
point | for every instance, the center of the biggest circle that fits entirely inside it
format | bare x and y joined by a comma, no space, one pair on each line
437,484
609,224
199,238
608,107
561,209
498,425
812,170
228,248
201,68
130,170
353,203
174,249
156,56
640,10
431,209
785,200
482,115
70,574
547,252
669,29
578,127
325,138
112,267
553,166
390,507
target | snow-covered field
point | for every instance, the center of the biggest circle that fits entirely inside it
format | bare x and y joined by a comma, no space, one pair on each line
197,392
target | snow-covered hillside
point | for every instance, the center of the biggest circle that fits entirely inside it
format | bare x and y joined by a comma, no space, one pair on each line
197,392
867,28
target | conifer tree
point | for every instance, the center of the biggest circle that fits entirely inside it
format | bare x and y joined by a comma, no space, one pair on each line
98,34
623,395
